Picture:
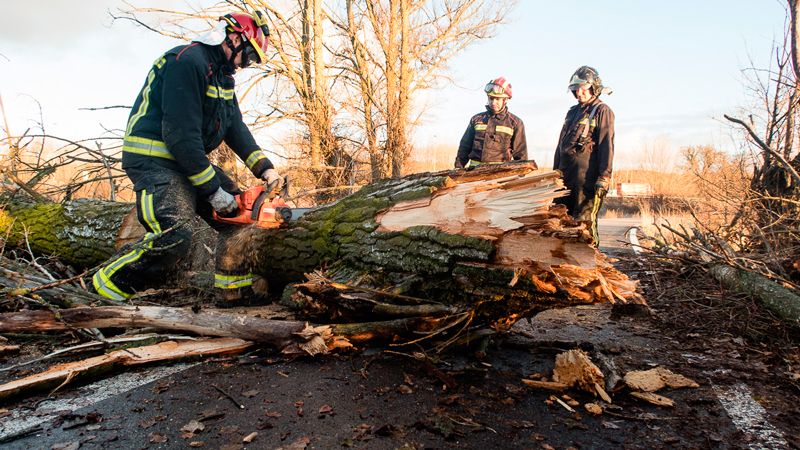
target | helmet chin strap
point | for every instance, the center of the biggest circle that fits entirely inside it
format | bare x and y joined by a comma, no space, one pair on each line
235,50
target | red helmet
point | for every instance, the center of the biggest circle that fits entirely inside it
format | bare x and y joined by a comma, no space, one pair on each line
254,31
499,87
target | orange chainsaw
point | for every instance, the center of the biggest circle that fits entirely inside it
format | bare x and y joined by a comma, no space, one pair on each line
260,207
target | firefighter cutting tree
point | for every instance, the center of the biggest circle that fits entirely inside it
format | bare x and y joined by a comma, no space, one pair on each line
185,110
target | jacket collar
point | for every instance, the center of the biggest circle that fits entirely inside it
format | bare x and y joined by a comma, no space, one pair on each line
500,114
218,59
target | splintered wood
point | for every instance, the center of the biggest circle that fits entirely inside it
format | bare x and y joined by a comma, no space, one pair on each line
574,367
479,208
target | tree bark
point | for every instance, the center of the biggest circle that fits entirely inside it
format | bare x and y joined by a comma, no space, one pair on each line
80,232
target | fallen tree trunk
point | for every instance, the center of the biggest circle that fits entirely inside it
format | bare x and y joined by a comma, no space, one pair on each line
775,297
444,253
488,242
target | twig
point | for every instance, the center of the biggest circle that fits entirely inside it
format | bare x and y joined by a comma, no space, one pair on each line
229,396
412,300
561,402
33,257
786,165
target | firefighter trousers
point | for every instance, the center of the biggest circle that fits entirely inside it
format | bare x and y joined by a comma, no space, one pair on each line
584,208
166,204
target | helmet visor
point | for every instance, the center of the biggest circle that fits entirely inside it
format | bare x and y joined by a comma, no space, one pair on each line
576,81
495,90
254,52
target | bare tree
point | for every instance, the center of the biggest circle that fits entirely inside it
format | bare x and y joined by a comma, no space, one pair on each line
769,214
410,43
347,73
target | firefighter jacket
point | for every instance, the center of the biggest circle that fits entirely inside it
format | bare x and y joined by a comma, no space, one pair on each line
585,149
493,137
186,109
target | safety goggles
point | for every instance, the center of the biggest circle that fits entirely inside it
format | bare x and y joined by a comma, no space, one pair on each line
494,90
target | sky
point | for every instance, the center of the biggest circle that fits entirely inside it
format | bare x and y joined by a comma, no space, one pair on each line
675,67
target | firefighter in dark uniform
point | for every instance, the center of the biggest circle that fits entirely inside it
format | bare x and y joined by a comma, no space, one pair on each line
495,135
186,109
585,151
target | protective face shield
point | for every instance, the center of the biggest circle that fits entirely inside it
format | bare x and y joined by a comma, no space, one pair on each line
587,75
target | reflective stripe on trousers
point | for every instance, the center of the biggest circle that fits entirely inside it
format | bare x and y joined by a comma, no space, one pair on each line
102,278
224,281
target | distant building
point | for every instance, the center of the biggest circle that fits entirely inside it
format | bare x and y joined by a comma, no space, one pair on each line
634,190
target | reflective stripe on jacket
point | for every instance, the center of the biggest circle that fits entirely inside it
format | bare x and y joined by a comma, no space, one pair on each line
493,137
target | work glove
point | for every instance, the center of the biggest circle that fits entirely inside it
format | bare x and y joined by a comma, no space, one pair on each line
274,180
223,202
601,187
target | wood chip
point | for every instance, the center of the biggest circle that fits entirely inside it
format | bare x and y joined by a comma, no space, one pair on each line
250,437
658,400
561,402
602,393
655,379
593,408
549,385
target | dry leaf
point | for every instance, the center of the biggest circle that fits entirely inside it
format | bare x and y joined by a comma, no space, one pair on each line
299,444
250,394
193,427
157,438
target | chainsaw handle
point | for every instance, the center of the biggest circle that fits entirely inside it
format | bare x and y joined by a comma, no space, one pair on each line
279,187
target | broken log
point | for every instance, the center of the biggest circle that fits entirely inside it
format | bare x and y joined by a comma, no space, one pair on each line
488,241
286,335
775,297
279,333
62,374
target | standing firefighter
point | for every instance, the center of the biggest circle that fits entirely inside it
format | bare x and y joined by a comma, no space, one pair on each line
494,135
186,109
585,149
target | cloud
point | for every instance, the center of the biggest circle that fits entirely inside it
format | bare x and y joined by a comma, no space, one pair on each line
54,22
